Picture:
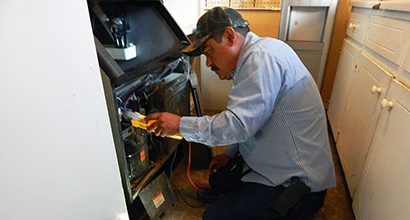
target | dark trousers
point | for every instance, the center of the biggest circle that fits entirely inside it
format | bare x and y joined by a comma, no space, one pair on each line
254,201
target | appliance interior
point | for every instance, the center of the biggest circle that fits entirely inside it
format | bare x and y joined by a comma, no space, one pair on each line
156,78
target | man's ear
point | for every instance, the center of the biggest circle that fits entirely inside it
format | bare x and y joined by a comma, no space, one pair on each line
229,34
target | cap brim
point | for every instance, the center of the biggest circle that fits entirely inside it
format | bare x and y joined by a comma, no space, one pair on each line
194,49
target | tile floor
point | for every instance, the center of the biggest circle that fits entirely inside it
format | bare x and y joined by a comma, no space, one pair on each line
337,204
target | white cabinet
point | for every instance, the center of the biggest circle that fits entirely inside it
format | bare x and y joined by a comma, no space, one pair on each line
357,26
369,110
387,36
384,190
404,72
361,114
341,87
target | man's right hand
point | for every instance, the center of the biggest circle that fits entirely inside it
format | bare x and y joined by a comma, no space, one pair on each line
218,162
163,124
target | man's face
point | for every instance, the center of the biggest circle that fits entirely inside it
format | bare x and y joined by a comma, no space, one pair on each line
218,58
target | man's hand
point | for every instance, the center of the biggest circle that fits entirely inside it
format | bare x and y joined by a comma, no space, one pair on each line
163,124
218,162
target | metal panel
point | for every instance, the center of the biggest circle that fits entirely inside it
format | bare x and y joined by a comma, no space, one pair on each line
158,197
307,23
149,27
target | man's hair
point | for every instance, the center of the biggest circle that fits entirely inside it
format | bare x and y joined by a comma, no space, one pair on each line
241,30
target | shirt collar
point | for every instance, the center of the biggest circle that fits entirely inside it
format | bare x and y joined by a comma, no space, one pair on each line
248,38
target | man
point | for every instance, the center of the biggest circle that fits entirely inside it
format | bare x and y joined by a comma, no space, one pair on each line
274,116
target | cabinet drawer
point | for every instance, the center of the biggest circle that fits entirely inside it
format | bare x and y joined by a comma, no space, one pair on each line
404,75
374,68
386,36
357,25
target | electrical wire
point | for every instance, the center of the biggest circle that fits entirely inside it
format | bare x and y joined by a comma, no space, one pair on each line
186,202
188,169
179,193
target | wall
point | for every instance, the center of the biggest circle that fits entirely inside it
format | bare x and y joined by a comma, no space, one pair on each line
263,22
185,16
57,157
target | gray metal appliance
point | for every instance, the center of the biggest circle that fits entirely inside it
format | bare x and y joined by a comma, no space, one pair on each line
138,46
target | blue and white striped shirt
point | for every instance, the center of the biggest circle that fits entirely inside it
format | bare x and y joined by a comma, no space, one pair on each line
275,116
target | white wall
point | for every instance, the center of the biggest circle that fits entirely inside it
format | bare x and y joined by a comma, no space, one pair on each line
57,157
214,92
185,12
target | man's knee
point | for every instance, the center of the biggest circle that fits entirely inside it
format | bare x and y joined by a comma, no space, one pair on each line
308,206
220,210
210,213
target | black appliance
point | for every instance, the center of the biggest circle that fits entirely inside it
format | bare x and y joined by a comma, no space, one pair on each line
138,45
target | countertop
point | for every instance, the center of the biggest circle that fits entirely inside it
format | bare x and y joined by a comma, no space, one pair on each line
395,5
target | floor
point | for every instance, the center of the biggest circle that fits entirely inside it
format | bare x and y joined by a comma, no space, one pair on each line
337,204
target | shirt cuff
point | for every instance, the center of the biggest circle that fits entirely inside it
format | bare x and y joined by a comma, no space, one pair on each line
187,127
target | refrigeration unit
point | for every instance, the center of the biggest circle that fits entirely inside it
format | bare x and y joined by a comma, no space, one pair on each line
138,45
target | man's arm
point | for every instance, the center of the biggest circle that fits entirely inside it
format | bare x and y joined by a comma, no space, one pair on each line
250,104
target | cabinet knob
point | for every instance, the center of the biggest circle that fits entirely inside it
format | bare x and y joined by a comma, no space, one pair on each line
352,26
376,89
387,104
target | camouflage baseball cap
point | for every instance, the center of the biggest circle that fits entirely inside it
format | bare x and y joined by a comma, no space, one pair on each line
214,20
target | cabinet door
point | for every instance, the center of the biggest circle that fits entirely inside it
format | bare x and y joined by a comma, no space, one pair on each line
361,115
384,189
340,91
